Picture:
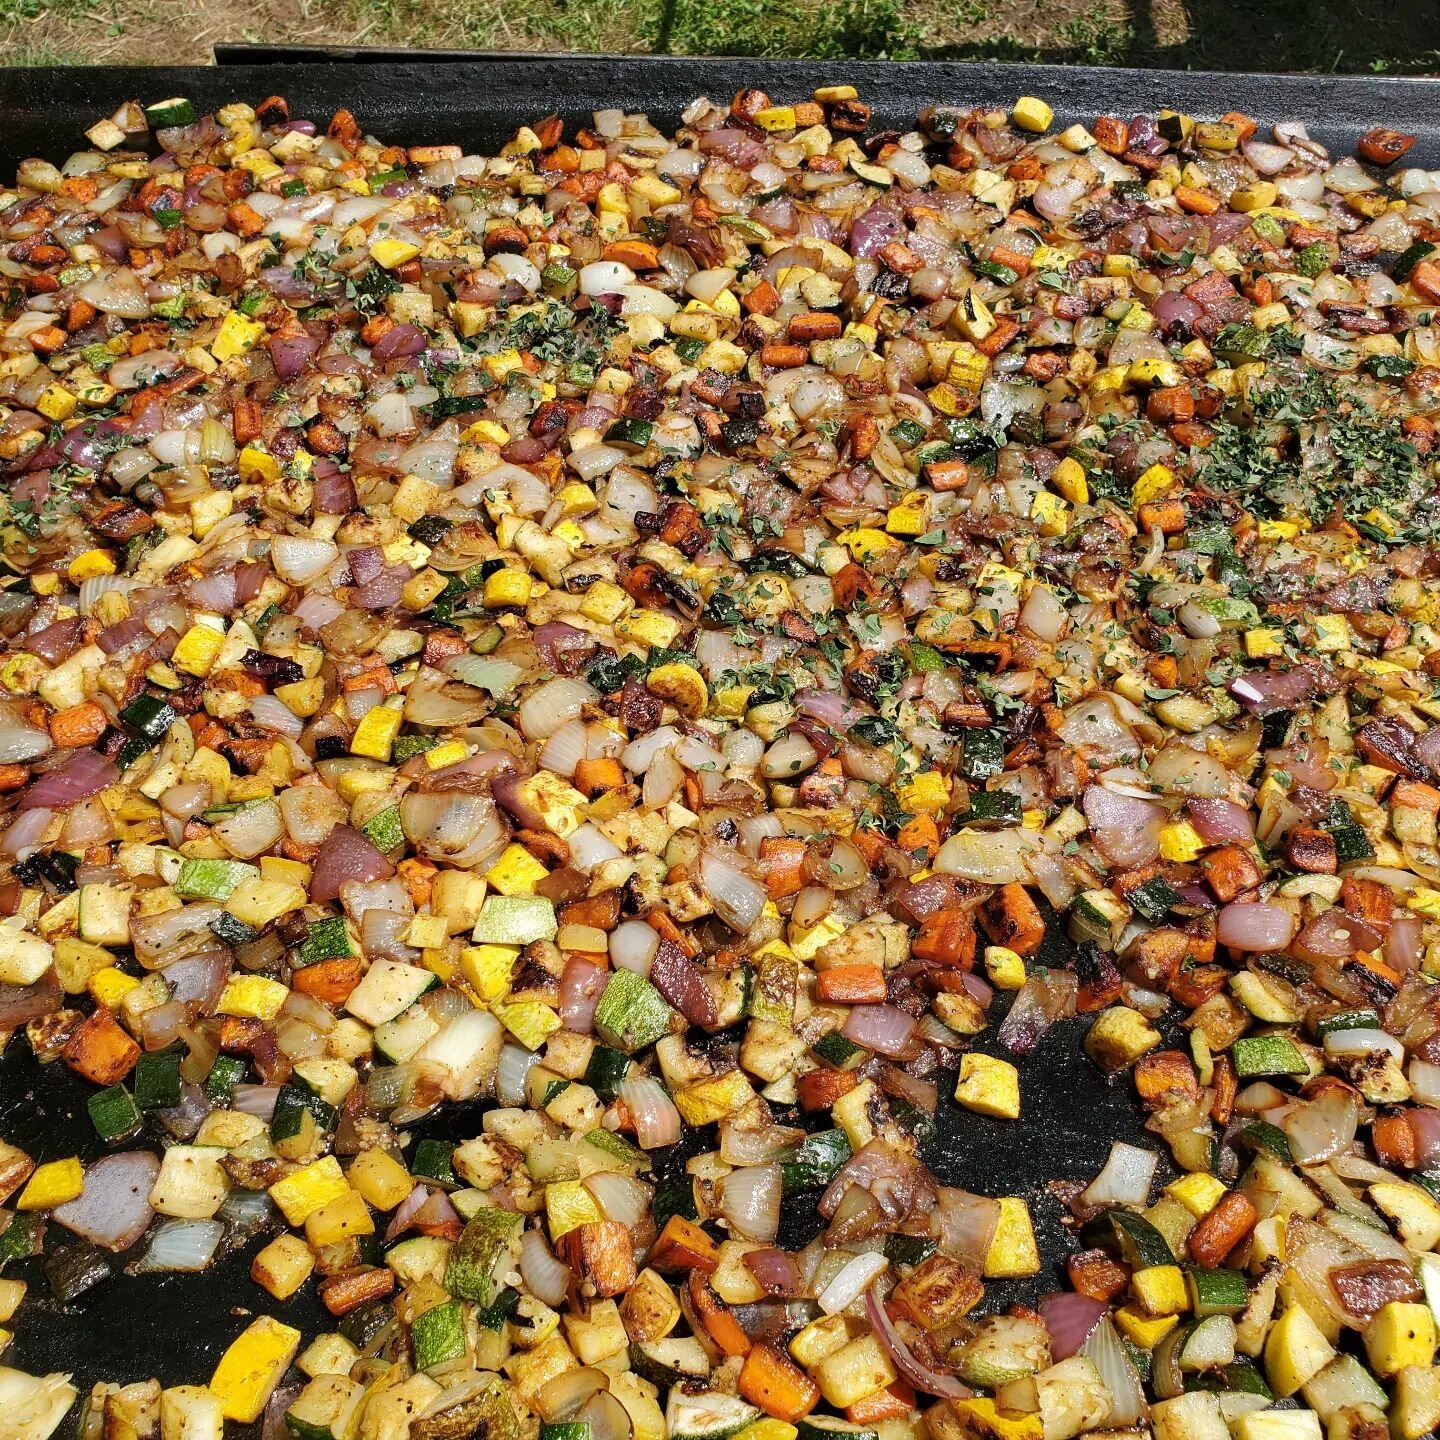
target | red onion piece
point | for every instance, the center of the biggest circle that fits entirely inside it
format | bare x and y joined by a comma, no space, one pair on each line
1402,944
1071,1320
882,1028
397,341
979,990
873,229
292,348
20,1004
581,984
1264,692
1218,821
739,147
775,1271
346,855
249,577
1038,1004
405,1213
113,1209
197,981
86,773
1425,1125
672,974
213,592
1126,830
26,833
127,632
931,1382
258,1100
57,642
437,1216
563,648
1255,927
334,494
506,790
1333,935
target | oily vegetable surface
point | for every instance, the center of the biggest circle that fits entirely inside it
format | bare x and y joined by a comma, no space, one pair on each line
652,632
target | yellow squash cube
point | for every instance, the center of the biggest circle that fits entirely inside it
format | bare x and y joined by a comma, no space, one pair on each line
283,1265
1400,1334
198,650
569,1204
1160,1290
252,1367
252,995
375,734
238,336
989,1086
516,872
54,1184
390,252
1013,1252
309,1189
1032,115
380,1178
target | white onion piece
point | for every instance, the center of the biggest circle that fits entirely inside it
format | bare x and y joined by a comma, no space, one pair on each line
301,561
738,899
565,749
1125,1180
657,1121
184,1245
1362,1042
546,1278
605,277
555,703
633,944
515,1064
621,1197
590,847
750,1201
851,1282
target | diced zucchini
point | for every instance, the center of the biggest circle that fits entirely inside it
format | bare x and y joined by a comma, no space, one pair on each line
326,939
488,1239
113,1113
707,1415
438,1336
632,1013
166,113
388,989
679,1360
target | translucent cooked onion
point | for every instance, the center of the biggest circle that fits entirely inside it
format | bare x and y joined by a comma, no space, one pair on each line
547,1279
633,944
738,899
553,705
621,1198
1126,1179
750,1201
652,1111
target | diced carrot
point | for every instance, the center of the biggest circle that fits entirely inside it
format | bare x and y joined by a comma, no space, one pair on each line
1166,516
637,254
667,929
1197,202
948,474
1244,125
100,1050
947,937
419,877
1192,988
79,725
48,339
1230,871
820,1089
601,911
247,418
346,1292
784,356
602,1254
1012,918
682,1245
1219,1232
851,985
1390,978
1001,255
1368,901
773,1381
895,1402
377,677
1004,332
1226,1085
782,866
715,1316
328,980
814,325
12,777
1394,1139
761,299
1416,795
1099,1276
245,219
920,836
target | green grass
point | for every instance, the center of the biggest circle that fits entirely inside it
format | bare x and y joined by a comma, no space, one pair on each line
1271,35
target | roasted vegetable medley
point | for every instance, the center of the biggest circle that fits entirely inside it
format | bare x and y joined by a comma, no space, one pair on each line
649,633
